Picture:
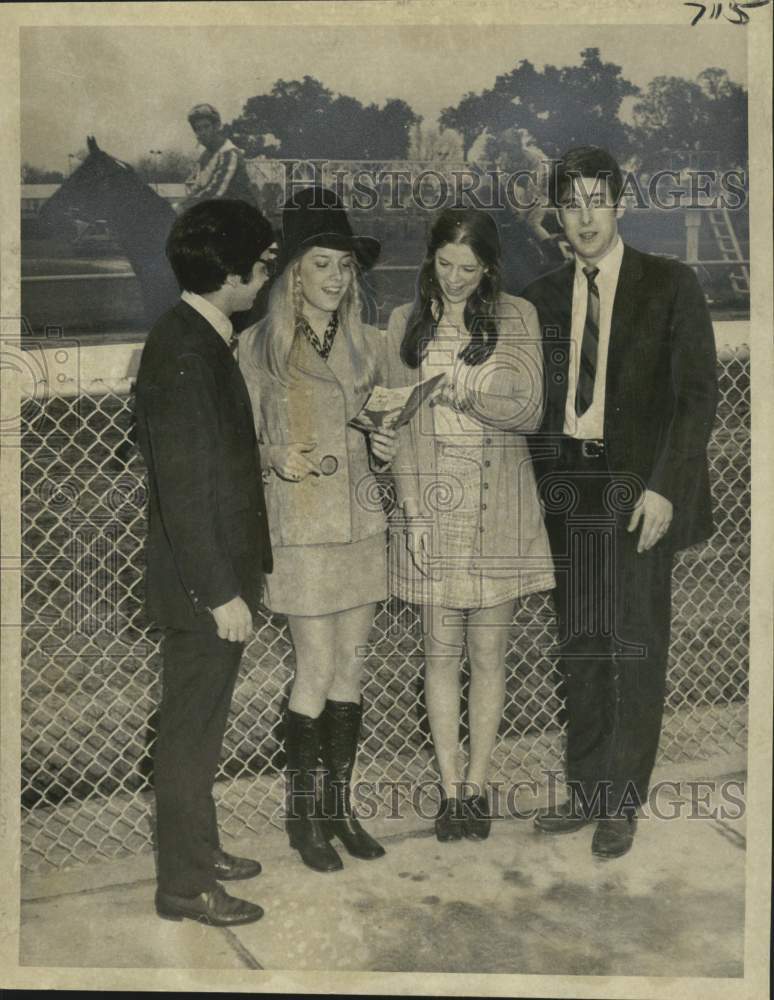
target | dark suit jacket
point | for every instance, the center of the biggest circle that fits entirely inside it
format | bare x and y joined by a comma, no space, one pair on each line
661,385
208,539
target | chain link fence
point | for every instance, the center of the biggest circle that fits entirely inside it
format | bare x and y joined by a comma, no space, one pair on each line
90,661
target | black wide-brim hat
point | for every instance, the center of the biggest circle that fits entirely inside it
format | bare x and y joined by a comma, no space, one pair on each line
315,217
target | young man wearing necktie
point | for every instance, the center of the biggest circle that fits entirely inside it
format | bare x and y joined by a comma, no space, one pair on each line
207,545
621,458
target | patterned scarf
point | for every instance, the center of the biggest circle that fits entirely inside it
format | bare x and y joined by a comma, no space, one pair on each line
324,348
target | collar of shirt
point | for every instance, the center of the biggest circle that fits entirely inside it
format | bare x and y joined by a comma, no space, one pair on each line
608,266
217,319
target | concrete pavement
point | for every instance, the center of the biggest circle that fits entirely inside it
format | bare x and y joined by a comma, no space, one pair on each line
520,902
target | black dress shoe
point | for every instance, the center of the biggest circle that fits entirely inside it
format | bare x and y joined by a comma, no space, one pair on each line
477,820
215,908
449,823
231,869
564,818
613,837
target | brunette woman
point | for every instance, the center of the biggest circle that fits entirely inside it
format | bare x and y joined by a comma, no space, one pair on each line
472,539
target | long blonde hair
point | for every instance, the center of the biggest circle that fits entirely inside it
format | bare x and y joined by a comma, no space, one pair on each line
276,332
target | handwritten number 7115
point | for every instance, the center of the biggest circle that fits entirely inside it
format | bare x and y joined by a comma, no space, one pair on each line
737,9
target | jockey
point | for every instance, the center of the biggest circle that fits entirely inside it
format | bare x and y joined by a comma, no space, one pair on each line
220,171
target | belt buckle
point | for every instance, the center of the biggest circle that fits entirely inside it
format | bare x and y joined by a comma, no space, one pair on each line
591,448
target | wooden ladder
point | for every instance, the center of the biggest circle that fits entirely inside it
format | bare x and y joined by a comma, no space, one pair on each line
728,244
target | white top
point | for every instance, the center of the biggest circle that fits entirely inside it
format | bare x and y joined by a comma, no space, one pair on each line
451,426
591,423
204,171
211,313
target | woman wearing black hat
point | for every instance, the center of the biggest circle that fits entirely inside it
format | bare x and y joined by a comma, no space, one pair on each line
309,366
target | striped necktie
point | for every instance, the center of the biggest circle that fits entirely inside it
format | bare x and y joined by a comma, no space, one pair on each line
584,392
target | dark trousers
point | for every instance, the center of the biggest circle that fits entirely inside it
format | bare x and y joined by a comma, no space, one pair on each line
614,611
199,673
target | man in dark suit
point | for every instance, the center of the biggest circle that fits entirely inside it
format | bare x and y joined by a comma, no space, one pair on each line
630,381
208,543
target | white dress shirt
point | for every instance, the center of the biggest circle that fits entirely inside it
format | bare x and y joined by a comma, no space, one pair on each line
211,313
591,423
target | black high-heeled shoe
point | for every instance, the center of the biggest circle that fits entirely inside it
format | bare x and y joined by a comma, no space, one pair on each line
449,821
477,820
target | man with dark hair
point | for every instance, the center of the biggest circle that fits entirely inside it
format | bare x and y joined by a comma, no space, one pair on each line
220,170
588,167
207,545
630,376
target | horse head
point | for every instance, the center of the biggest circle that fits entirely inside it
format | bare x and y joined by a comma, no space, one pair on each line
105,188
86,194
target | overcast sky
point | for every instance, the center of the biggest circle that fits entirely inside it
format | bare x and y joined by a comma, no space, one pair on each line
132,87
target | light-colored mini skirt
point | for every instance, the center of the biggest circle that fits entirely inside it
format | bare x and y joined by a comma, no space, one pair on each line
451,580
323,579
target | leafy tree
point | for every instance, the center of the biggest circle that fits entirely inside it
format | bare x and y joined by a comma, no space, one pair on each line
40,175
390,129
476,114
703,121
558,107
304,119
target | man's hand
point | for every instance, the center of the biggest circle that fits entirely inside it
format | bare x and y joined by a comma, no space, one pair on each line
234,620
655,513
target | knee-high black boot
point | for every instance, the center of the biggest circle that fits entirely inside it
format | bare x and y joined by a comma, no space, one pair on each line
340,734
304,824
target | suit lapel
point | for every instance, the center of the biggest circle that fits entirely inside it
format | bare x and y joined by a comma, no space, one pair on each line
624,315
340,364
307,360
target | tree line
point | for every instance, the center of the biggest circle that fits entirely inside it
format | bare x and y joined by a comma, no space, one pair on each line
673,121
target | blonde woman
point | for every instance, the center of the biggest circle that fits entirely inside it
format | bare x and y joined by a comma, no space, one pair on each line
309,366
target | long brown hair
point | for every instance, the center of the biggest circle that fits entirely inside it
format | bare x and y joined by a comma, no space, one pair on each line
478,230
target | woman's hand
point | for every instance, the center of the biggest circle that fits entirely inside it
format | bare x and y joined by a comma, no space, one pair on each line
457,397
290,462
415,531
383,443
